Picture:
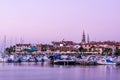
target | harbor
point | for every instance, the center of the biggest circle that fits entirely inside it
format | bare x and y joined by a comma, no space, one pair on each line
64,52
61,59
59,40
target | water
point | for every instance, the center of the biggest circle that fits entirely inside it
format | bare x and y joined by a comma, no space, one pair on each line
32,71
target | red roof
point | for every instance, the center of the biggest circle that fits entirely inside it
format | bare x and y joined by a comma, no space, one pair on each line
22,44
63,42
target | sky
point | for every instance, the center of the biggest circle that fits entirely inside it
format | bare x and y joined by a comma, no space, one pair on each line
43,21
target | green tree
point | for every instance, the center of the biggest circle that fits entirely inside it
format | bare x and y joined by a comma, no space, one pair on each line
10,49
107,51
117,52
81,49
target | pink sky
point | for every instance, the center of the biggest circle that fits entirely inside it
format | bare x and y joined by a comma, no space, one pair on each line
52,20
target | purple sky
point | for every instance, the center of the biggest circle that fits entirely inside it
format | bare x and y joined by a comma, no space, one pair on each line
52,20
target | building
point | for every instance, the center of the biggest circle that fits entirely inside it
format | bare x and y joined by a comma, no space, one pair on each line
22,47
63,46
45,47
99,46
70,46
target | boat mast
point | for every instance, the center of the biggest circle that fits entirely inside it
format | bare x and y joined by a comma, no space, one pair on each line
4,47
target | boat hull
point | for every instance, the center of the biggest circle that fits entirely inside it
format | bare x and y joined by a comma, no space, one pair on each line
106,63
64,62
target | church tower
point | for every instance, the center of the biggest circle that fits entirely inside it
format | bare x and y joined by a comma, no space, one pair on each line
83,38
88,39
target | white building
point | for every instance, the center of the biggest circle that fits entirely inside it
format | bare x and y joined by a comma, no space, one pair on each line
21,47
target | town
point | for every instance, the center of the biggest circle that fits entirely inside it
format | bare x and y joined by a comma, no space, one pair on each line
59,40
85,46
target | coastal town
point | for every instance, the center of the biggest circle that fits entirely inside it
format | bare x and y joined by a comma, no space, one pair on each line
65,52
59,40
85,46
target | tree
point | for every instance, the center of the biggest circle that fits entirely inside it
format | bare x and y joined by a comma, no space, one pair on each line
10,49
117,52
107,51
81,49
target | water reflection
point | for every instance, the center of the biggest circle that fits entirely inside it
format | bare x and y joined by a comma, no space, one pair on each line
45,71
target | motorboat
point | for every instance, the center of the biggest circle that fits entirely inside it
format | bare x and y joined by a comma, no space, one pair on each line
87,60
106,61
64,60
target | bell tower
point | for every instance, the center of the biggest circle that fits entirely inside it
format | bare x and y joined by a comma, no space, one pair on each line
83,37
88,39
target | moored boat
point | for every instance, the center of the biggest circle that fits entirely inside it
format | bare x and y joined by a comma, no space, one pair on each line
106,61
63,60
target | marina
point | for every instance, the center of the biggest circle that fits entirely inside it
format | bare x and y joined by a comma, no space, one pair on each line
61,59
59,40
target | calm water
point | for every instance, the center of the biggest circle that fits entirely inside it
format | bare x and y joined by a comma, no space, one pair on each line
32,71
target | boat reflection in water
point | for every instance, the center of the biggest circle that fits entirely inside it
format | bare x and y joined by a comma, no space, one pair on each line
46,71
